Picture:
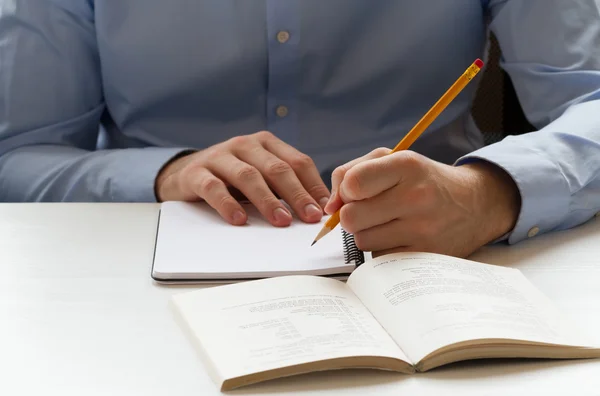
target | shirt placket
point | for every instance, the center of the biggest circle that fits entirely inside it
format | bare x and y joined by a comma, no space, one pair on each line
284,68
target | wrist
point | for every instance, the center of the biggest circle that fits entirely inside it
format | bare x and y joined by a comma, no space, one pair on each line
167,170
497,198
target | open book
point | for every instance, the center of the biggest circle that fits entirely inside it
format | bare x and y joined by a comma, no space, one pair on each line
401,312
195,245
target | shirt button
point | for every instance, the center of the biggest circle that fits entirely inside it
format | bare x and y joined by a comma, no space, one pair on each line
283,36
281,111
533,232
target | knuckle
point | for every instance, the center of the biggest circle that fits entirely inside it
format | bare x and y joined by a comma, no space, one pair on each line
264,135
318,191
188,172
268,201
300,197
353,183
361,241
422,194
301,161
372,167
246,173
347,219
381,151
227,201
212,155
278,167
239,141
409,159
428,193
338,173
209,184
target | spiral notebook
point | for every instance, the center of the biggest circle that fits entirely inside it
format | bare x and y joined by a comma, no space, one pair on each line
194,245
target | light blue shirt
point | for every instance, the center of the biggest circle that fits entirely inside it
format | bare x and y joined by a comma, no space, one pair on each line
333,78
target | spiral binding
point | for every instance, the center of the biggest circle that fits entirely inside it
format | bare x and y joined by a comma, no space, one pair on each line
352,254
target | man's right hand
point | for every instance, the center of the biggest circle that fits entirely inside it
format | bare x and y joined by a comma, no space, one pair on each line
257,165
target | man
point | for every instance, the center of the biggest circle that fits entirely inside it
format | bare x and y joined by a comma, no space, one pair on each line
187,89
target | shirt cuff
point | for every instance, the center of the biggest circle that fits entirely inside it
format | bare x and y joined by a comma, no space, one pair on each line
545,193
138,170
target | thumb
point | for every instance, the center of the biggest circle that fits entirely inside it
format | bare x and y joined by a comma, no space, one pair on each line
335,201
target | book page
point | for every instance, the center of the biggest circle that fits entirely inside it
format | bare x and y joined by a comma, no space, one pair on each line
267,324
428,301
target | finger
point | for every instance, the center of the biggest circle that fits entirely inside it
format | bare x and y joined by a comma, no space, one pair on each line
250,182
372,212
303,166
214,191
338,174
283,180
369,178
394,234
380,253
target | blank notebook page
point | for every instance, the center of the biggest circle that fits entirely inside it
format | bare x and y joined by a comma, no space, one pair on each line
195,243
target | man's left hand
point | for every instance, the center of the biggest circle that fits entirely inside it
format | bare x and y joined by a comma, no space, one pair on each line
407,202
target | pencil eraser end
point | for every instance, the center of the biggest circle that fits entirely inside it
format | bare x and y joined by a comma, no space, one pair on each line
479,63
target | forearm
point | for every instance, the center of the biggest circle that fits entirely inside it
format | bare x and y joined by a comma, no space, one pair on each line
60,173
556,169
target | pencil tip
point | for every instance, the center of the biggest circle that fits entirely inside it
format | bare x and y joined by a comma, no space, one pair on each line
315,241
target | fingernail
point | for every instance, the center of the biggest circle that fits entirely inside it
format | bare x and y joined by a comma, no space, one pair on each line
311,210
323,202
333,195
281,215
238,217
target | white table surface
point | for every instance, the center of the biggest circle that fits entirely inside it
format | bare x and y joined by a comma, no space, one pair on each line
80,315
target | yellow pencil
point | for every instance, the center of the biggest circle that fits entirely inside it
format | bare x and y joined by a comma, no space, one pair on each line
418,129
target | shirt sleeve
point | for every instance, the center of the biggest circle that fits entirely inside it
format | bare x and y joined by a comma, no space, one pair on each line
550,51
51,104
